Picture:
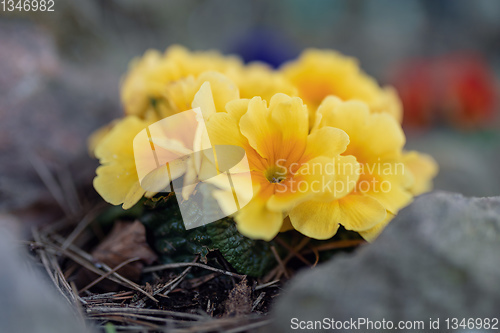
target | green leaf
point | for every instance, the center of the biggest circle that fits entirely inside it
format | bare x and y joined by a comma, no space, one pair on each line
247,256
173,241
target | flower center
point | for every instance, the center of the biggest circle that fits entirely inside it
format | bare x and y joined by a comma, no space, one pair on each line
275,175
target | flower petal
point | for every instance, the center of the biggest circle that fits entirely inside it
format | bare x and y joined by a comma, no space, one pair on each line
223,129
319,220
279,131
237,108
384,137
326,141
423,168
114,183
308,181
117,180
223,89
388,184
157,180
372,136
360,212
118,142
204,99
256,126
134,194
373,233
214,93
346,176
256,221
351,117
290,118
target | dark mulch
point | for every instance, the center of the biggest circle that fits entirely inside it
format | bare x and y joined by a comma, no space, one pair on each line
178,297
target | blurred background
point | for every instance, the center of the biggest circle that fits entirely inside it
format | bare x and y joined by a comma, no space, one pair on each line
60,73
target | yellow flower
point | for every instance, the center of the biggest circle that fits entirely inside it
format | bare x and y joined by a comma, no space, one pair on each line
286,162
214,89
210,92
98,135
145,83
376,140
196,62
117,181
347,135
320,73
258,79
156,79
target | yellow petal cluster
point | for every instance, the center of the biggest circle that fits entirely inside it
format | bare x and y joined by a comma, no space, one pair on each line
144,84
323,139
321,73
149,78
117,180
385,182
287,162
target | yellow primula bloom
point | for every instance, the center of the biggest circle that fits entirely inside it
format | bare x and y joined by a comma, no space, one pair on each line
320,73
215,88
147,79
423,169
323,140
98,135
157,79
376,140
287,162
117,181
196,62
145,82
258,79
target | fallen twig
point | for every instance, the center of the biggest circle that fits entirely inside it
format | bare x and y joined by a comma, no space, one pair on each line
187,264
102,277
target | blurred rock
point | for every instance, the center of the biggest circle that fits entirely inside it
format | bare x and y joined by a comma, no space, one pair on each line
437,259
29,303
468,161
11,225
48,107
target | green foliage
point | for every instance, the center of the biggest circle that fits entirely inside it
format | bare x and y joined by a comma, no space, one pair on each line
174,243
248,256
170,237
167,234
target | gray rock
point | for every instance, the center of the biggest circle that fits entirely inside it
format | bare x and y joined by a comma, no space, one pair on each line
439,258
467,161
48,108
28,302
